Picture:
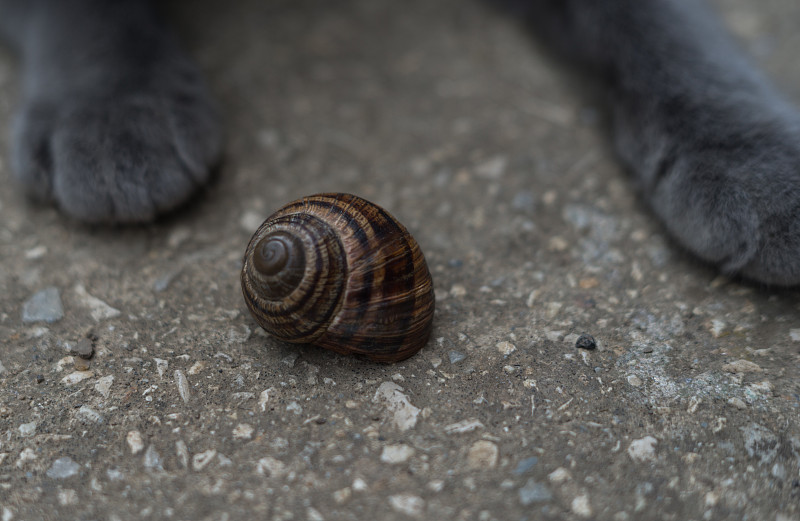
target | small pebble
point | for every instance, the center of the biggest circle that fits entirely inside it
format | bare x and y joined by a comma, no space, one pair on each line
586,341
483,454
580,506
737,402
83,348
392,397
98,309
505,348
243,431
76,377
135,442
27,429
435,485
463,426
525,465
199,461
27,455
643,449
634,381
89,415
342,495
456,356
44,306
63,468
36,253
394,454
742,366
152,460
183,385
80,364
533,492
458,290
407,504
560,475
103,385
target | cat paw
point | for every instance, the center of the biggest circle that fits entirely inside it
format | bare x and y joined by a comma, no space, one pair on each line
736,202
124,157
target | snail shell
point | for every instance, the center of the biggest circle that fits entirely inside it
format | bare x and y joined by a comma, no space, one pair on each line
339,272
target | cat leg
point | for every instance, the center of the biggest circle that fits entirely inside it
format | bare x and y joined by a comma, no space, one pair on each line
714,148
115,124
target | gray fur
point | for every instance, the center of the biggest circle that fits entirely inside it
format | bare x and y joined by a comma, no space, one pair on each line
115,124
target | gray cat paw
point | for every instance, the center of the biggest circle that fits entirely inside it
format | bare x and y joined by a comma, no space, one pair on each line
736,203
120,158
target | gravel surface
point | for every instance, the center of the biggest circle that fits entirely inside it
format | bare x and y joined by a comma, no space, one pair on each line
135,385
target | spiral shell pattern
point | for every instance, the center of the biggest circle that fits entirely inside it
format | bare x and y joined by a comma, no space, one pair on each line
339,272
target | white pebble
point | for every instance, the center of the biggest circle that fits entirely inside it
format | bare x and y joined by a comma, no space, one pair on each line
36,253
103,385
67,497
27,429
404,413
634,380
559,475
77,376
458,290
263,398
88,414
152,460
63,468
643,449
483,454
463,426
243,431
407,504
717,328
182,452
271,467
183,385
505,348
135,442
161,366
251,220
98,309
342,495
199,461
394,454
25,456
196,368
435,485
581,507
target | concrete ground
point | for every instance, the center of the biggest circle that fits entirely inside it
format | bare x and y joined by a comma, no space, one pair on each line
452,118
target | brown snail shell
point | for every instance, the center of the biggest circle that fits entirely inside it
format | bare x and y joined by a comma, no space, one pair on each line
339,272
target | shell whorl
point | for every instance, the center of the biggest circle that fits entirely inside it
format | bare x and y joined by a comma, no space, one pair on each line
296,299
365,287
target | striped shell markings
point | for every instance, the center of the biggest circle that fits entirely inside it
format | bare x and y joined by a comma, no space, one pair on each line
339,272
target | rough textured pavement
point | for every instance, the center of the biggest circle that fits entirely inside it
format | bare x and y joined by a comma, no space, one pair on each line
451,117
